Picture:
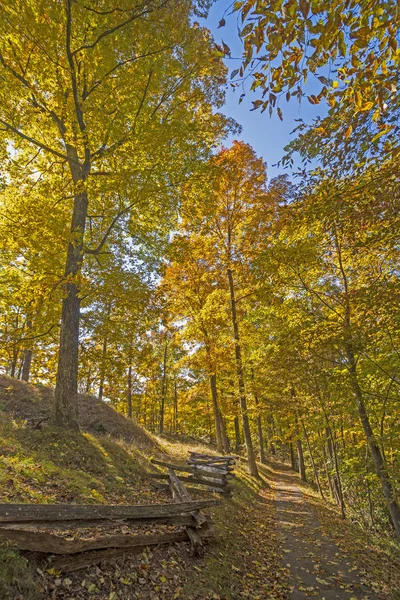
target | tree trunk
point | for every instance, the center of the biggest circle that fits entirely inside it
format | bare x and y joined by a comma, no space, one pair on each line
259,423
300,460
26,367
175,406
27,360
66,390
240,378
338,480
292,457
312,460
163,386
130,392
225,439
216,411
380,467
103,366
237,434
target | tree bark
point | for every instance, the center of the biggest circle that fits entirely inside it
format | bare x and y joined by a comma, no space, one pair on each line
216,411
27,361
163,386
225,439
66,390
314,466
237,434
26,367
103,367
300,460
240,378
175,406
292,457
130,392
259,423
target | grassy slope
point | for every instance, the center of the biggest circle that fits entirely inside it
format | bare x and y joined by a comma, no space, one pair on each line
108,463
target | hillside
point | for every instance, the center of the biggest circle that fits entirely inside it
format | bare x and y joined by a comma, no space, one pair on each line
272,537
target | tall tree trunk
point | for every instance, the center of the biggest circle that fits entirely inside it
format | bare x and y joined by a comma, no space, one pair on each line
163,386
338,480
300,460
225,439
103,366
237,434
240,378
292,457
66,390
175,406
26,367
216,411
314,466
380,467
27,361
327,471
259,422
129,392
14,362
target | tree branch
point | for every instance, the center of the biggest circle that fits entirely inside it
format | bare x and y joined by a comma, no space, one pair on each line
33,140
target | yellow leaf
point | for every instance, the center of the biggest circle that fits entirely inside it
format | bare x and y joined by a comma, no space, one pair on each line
348,132
367,106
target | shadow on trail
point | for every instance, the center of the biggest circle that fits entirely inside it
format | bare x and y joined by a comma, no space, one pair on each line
319,567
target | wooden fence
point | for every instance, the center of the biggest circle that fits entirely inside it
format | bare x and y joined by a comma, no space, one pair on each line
210,472
33,527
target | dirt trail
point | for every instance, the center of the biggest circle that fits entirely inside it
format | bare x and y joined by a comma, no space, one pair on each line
317,566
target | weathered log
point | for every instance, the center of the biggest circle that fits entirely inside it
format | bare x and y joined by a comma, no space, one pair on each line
18,513
213,471
199,480
179,492
179,520
76,562
187,469
37,541
211,463
211,456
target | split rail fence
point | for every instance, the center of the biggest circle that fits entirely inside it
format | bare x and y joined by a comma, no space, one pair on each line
32,526
211,472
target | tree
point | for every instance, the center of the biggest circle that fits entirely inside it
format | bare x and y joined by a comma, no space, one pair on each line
349,51
67,95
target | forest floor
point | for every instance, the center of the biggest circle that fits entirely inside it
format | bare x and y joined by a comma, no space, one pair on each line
274,539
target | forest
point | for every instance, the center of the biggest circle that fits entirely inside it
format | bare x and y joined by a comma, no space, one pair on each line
148,258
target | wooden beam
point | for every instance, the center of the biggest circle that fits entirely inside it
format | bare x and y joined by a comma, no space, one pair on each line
37,541
187,469
179,492
179,520
199,480
19,513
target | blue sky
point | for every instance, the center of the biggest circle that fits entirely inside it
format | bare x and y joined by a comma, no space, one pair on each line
268,135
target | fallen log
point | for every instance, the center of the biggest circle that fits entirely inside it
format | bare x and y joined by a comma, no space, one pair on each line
76,562
19,513
37,541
